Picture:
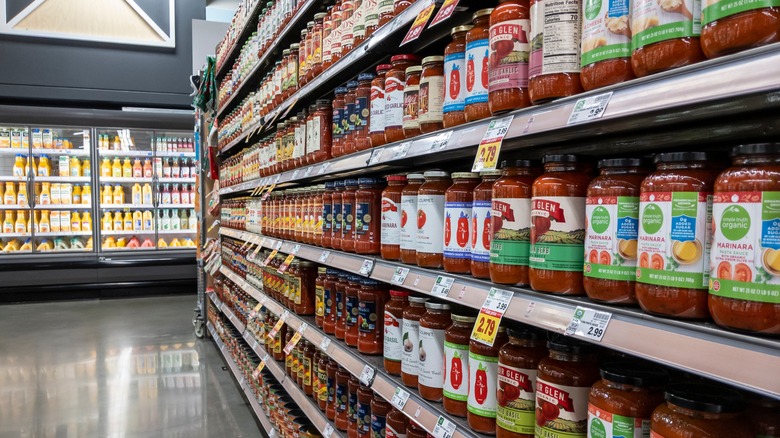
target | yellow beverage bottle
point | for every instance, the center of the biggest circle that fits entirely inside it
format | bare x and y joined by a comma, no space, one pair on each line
2,196
128,221
137,195
119,195
127,168
138,169
147,194
27,165
20,226
119,223
148,220
9,197
86,222
8,222
161,243
21,195
75,166
116,145
105,168
76,194
19,166
138,220
45,197
54,218
86,169
107,224
75,221
116,168
44,226
66,193
44,166
65,221
107,195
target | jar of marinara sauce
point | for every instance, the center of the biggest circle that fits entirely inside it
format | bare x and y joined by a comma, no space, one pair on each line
339,112
612,217
330,409
368,205
395,424
327,214
606,44
319,296
341,304
372,297
338,214
430,219
625,397
351,310
322,378
741,211
430,111
409,217
456,364
342,398
510,26
390,235
401,5
411,121
458,205
352,407
318,148
481,233
376,124
738,28
380,409
329,296
414,430
348,215
348,121
395,78
675,217
554,68
511,222
433,323
483,379
410,358
477,69
558,225
363,111
699,410
393,332
455,78
363,411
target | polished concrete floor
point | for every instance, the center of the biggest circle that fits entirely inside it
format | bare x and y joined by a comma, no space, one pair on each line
117,368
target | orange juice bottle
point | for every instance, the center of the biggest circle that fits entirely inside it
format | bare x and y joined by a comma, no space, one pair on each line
21,195
21,223
106,195
44,226
107,224
45,197
138,220
138,169
44,166
8,222
148,220
66,196
65,221
137,197
9,197
116,168
27,165
86,169
119,223
147,194
75,166
128,221
147,168
127,168
19,166
116,145
76,194
75,221
86,221
86,194
54,218
119,194
105,168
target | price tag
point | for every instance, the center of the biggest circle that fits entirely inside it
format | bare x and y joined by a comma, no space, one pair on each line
367,375
254,311
324,256
419,23
270,257
272,434
268,192
589,108
295,174
399,276
260,366
402,150
293,342
276,327
366,267
445,12
442,286
308,171
325,343
257,250
486,327
289,108
376,156
444,428
295,249
302,328
400,397
588,323
490,146
440,141
286,264
213,224
328,432
263,299
323,168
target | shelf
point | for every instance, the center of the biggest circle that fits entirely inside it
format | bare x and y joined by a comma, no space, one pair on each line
11,235
176,206
699,348
70,152
164,232
176,154
14,207
227,311
126,233
666,103
241,37
64,234
246,185
175,180
125,206
14,151
10,178
109,153
423,412
111,179
60,179
63,207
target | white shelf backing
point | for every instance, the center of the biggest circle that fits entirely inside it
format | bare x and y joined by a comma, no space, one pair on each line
70,152
120,180
129,206
63,206
176,180
110,153
61,179
126,233
175,154
699,348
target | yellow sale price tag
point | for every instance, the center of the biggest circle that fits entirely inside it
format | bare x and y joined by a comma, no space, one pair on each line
270,257
490,146
276,328
419,23
286,264
293,342
489,318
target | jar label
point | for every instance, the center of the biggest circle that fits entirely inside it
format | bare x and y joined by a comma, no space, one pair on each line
377,104
339,305
385,7
338,127
411,107
480,231
372,12
654,21
393,343
338,216
342,397
483,376
410,358
352,311
378,426
674,239
431,99
477,55
608,425
509,52
558,23
327,213
456,371
362,112
391,433
431,355
516,399
359,22
510,224
557,233
746,246
363,218
430,221
327,298
408,227
363,417
562,411
391,222
394,103
306,371
717,9
367,317
348,119
325,383
319,301
352,407
347,220
299,149
611,239
606,33
316,135
331,390
454,76
456,230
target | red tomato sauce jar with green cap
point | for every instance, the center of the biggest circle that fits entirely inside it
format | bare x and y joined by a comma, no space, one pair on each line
456,364
458,205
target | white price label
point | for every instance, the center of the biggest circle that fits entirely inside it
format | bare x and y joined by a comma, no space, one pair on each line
324,256
325,343
444,428
328,432
308,171
262,242
490,146
366,267
367,376
588,323
376,156
323,168
400,397
263,299
399,276
439,142
295,174
295,249
442,286
303,327
497,300
278,245
402,150
589,108
284,315
272,434
278,177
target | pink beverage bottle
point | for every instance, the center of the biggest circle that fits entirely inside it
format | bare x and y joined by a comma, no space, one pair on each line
176,195
166,195
166,169
184,169
175,169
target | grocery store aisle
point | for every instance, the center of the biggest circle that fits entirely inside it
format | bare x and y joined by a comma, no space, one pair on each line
118,368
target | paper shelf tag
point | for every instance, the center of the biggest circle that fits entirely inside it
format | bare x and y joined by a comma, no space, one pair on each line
444,428
308,171
295,174
324,256
588,323
489,318
490,146
366,267
286,264
376,156
439,142
419,23
367,376
589,108
270,257
325,343
328,432
293,342
400,397
399,276
442,286
254,311
444,13
323,168
402,150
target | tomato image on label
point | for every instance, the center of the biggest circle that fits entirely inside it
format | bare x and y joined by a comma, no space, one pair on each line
470,73
456,370
404,218
463,231
481,385
485,72
455,82
447,229
561,410
420,219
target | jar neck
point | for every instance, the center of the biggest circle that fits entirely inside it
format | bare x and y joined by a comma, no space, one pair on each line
569,357
755,160
516,171
529,343
438,312
464,325
482,21
398,299
417,304
682,165
621,170
623,386
700,414
466,182
396,183
459,37
436,179
561,167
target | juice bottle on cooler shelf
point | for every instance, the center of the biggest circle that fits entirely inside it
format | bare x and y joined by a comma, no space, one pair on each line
175,168
184,170
66,193
75,221
116,145
138,169
116,168
147,169
54,220
119,194
44,225
63,166
193,221
32,221
75,166
107,195
176,195
18,169
76,193
9,197
184,220
158,167
138,220
119,223
20,226
107,223
148,220
86,169
8,222
127,220
55,193
86,194
105,168
137,195
65,221
127,168
165,220
146,192
166,169
165,199
44,166
86,222
44,198
161,243
175,221
21,195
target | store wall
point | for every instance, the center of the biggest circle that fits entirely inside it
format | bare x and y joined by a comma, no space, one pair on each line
48,71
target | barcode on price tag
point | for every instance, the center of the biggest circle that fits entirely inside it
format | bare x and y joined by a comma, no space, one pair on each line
366,267
444,428
323,168
367,376
324,256
490,146
308,171
402,150
325,343
442,286
328,432
399,276
588,323
589,108
400,397
489,318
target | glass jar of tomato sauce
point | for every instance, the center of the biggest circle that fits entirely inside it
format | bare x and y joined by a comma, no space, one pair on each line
481,230
558,225
456,364
339,112
319,296
380,409
409,196
738,29
363,111
363,411
318,147
433,323
675,216
410,357
352,407
518,361
348,121
401,5
563,384
342,398
414,430
368,207
372,298
699,410
327,214
483,379
376,125
330,409
329,296
338,214
351,310
744,194
511,222
430,111
477,68
393,332
455,78
316,59
395,424
341,304
348,215
510,26
430,219
762,413
305,275
322,378
612,217
395,78
625,397
458,205
411,121
390,235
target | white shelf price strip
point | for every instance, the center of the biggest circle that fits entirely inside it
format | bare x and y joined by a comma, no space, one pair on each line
442,286
444,428
366,267
367,375
399,276
400,397
588,323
